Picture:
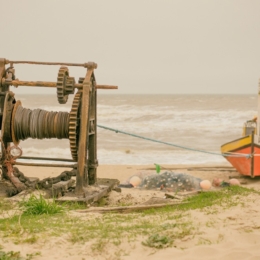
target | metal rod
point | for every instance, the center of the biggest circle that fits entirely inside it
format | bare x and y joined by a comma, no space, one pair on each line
85,65
47,165
48,84
106,87
46,159
252,155
258,113
17,83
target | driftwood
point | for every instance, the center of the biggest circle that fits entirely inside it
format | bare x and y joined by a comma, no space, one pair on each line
222,169
173,196
32,183
180,195
195,168
157,200
128,209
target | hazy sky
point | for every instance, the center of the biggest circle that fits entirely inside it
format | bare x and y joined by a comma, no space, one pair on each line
143,46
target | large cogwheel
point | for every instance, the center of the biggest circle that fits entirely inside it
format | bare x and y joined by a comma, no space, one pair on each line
74,125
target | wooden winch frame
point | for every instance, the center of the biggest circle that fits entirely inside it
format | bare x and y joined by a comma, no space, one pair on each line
83,129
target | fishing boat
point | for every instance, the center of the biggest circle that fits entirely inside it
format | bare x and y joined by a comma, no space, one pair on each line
244,153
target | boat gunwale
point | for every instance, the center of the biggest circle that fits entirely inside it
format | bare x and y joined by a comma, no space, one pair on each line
243,137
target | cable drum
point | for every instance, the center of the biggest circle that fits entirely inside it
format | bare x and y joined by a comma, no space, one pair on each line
26,121
62,119
33,123
38,124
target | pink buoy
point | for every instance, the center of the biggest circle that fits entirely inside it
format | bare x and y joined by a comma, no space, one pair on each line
205,185
234,182
217,182
135,181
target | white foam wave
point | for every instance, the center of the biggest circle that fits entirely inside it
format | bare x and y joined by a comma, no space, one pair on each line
203,122
47,153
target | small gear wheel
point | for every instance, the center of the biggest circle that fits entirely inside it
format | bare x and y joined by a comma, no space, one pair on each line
74,119
61,85
65,85
69,87
80,81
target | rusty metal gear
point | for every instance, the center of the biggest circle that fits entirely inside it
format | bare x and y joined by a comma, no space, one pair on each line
74,119
70,85
80,81
65,85
61,83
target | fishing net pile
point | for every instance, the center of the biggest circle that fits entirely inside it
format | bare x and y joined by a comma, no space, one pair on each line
170,181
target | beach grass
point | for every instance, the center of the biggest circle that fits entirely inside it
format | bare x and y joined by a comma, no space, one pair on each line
11,255
36,219
39,206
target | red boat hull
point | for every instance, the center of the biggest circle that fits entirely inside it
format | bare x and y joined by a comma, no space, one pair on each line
243,154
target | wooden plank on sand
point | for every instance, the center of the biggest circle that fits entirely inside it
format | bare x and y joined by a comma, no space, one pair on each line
127,209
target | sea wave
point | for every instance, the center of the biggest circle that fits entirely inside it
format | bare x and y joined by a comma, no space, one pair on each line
197,122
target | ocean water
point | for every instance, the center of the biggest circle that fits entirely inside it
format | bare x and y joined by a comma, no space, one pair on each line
190,123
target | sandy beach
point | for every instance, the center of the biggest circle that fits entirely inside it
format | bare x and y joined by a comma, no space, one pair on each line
220,233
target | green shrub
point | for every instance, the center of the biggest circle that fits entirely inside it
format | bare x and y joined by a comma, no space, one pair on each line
39,205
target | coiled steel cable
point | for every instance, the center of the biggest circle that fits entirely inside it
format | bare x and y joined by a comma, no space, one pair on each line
40,124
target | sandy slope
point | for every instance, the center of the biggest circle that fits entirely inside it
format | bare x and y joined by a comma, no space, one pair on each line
232,233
